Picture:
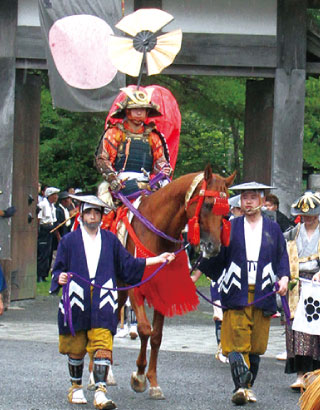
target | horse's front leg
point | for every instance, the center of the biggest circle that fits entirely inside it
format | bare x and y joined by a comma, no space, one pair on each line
138,379
155,391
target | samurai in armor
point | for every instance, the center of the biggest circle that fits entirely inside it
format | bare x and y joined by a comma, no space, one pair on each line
131,150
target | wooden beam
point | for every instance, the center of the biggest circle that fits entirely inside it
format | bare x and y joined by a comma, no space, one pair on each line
313,4
227,50
147,4
313,38
313,69
8,23
31,64
197,49
258,131
291,34
30,43
220,71
289,95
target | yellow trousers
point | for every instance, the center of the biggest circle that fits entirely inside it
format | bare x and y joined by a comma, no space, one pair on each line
86,341
245,330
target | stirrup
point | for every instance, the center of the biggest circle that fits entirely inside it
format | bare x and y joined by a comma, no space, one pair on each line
76,395
101,401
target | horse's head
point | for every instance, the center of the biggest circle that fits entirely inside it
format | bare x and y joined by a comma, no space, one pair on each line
207,226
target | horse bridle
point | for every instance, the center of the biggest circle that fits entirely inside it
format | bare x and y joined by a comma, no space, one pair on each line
220,206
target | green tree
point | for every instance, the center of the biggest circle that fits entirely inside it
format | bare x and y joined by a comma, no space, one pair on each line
212,110
311,142
67,145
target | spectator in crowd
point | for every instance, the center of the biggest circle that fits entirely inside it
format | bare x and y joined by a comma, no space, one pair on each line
303,243
47,219
63,214
7,213
41,190
272,205
272,211
235,207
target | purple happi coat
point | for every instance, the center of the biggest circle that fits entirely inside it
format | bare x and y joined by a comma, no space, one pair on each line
115,262
232,263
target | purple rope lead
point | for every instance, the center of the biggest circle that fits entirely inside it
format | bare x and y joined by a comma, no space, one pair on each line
66,288
283,300
145,221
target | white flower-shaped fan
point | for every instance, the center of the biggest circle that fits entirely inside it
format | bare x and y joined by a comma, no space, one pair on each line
146,45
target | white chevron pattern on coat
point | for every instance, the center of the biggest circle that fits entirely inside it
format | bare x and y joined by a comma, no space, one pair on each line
61,307
77,289
112,295
75,301
268,276
233,273
76,295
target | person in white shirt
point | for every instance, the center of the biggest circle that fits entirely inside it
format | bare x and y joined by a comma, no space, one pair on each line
95,259
249,267
46,220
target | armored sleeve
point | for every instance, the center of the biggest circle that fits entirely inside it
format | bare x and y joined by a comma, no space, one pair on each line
107,151
160,162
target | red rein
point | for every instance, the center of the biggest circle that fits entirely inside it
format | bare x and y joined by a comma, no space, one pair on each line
220,207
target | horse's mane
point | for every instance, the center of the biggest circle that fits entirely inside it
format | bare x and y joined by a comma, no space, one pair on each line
178,187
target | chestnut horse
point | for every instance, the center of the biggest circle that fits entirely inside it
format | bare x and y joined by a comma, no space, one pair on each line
166,209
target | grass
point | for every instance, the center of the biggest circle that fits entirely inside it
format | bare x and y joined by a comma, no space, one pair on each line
43,288
203,281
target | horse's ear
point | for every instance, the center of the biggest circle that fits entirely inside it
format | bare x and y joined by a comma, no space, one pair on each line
230,179
208,173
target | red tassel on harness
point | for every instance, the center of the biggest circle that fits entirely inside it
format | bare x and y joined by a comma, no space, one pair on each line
194,231
225,232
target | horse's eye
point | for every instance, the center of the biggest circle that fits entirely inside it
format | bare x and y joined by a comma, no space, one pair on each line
207,206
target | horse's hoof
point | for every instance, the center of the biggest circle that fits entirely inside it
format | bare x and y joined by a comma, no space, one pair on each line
138,382
155,393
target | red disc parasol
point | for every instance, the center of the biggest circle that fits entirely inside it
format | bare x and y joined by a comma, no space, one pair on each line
80,49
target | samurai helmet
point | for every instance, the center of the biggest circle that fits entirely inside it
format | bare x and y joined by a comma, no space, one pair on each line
136,98
307,204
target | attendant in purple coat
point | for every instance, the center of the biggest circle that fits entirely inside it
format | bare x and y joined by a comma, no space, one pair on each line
255,259
97,257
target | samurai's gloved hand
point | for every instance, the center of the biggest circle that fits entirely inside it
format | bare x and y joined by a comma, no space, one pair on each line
114,181
9,212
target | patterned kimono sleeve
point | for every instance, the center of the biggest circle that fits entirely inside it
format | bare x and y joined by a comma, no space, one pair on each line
128,268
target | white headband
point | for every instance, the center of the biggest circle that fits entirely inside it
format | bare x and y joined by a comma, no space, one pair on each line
86,205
